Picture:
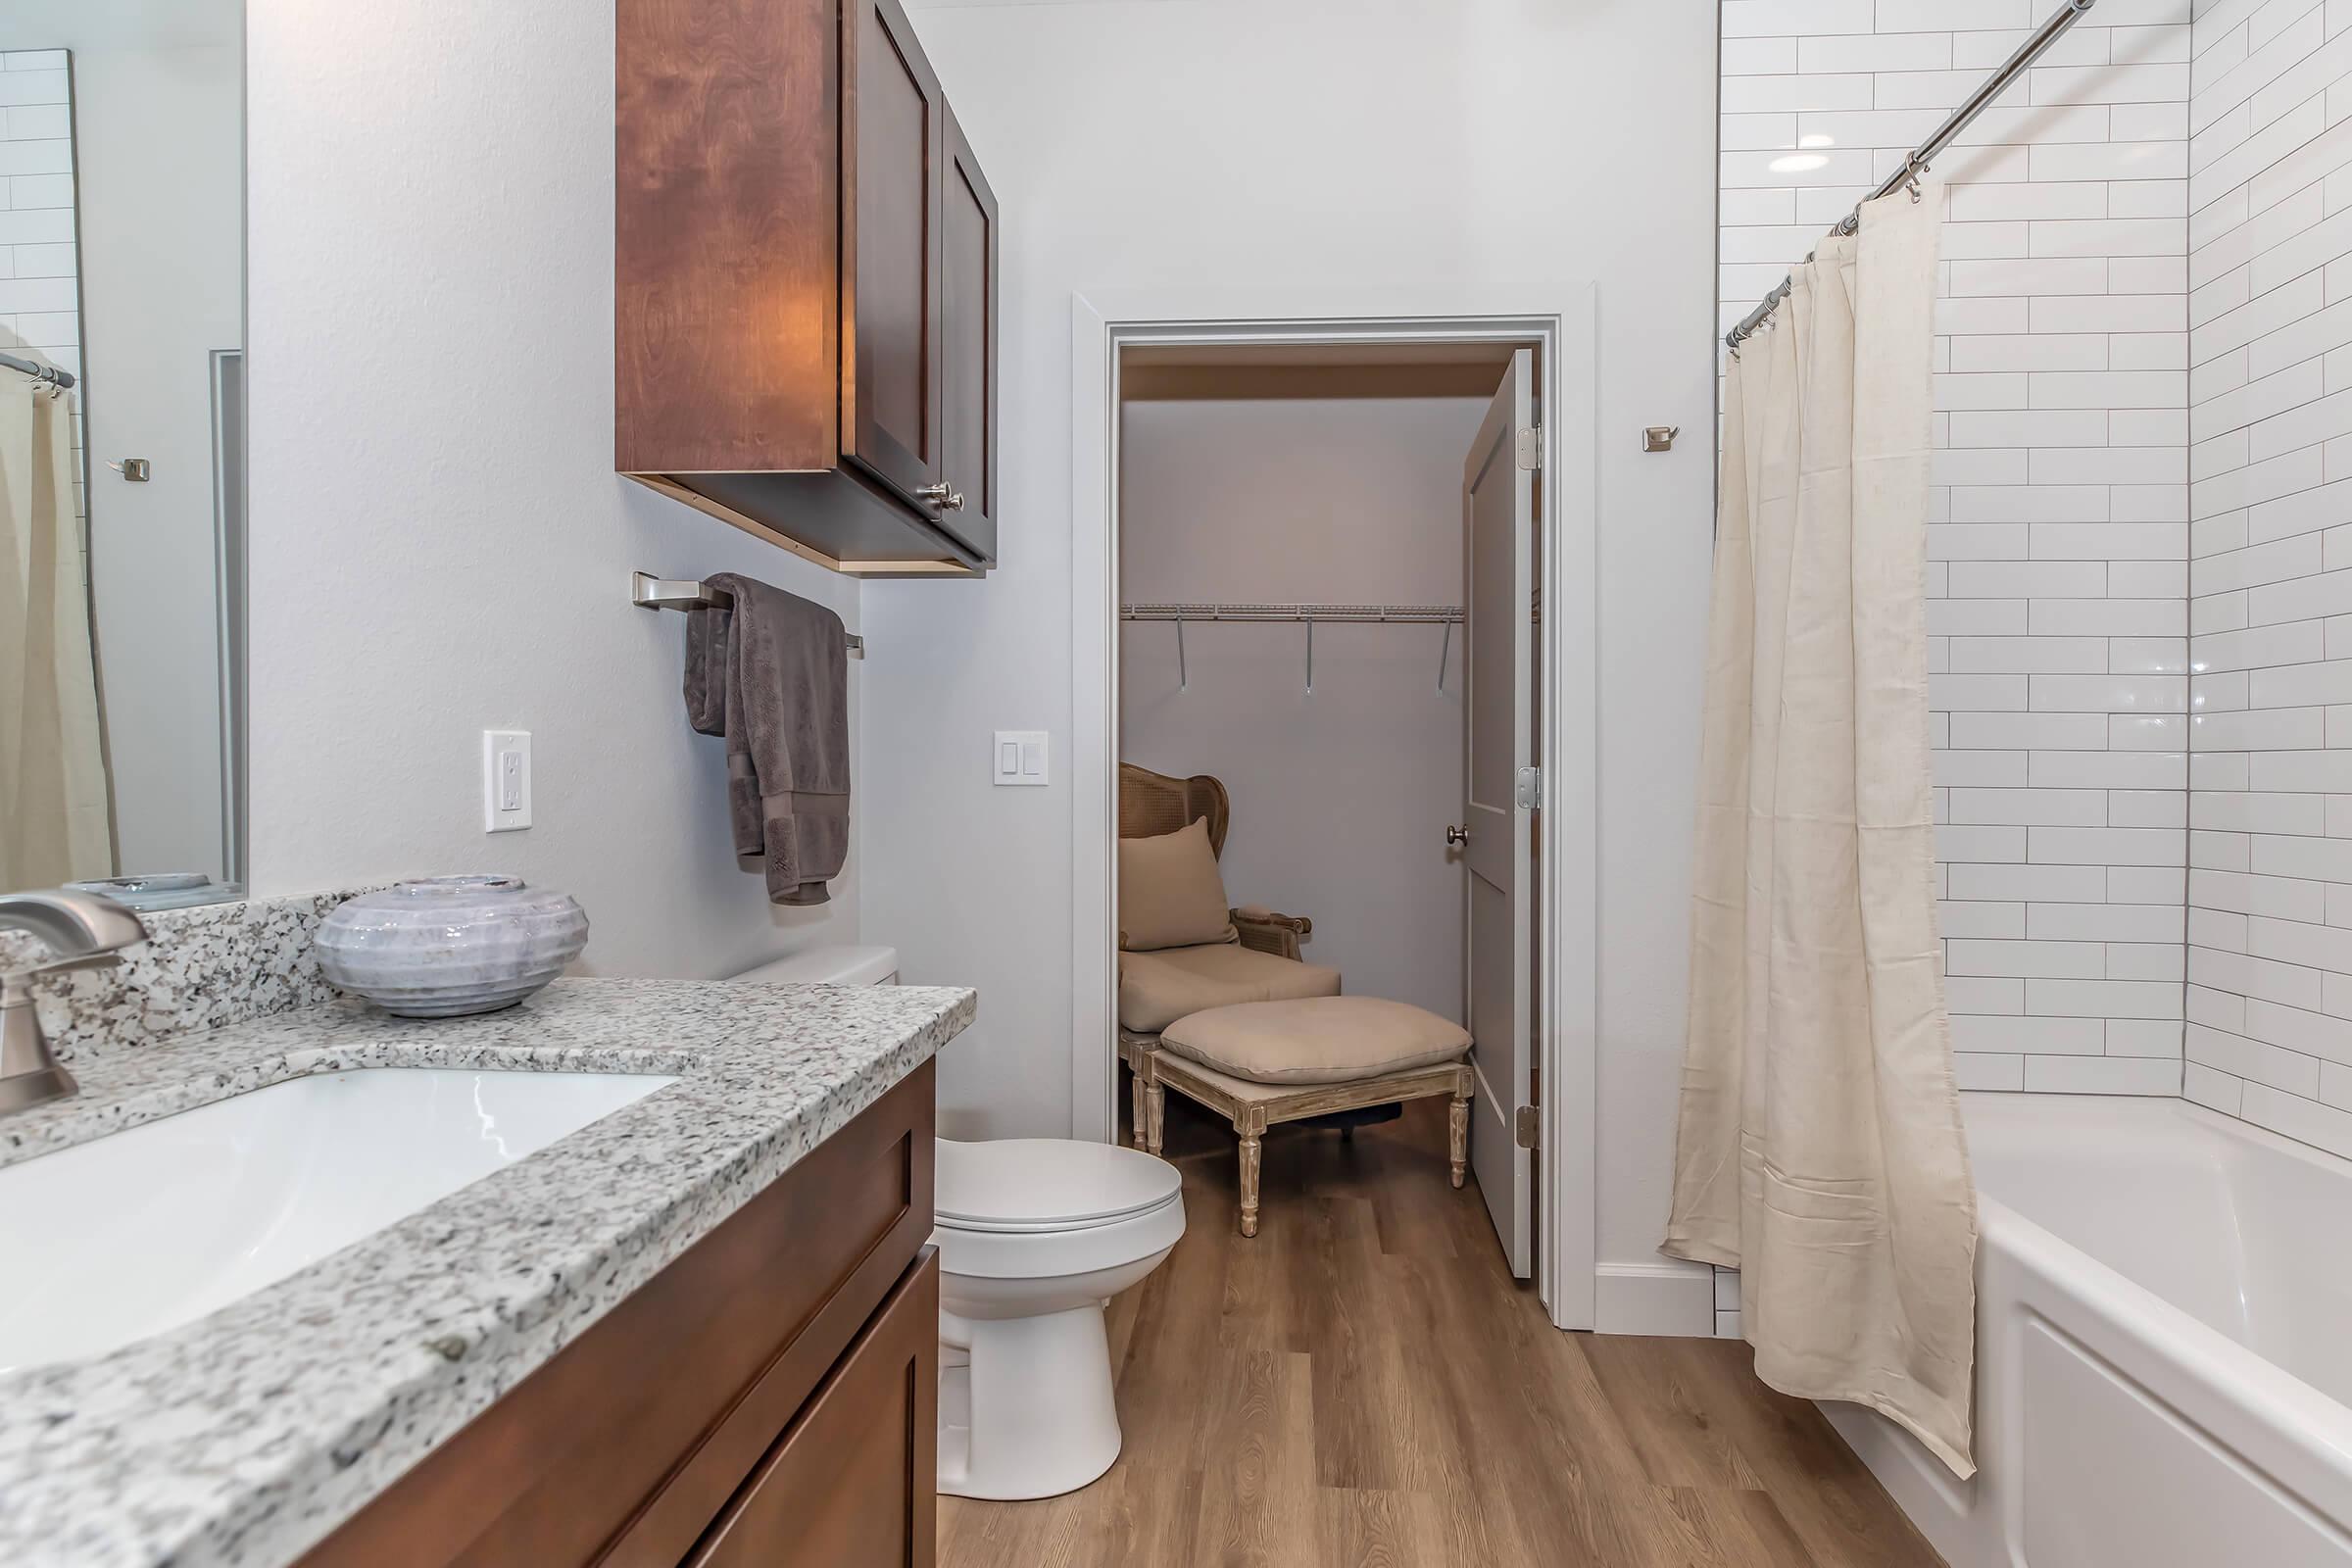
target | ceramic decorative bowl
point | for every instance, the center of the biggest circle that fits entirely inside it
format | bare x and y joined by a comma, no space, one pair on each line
449,946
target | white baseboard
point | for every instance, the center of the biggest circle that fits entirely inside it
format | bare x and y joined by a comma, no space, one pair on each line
1673,1300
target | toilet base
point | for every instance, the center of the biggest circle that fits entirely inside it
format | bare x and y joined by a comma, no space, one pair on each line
1025,1404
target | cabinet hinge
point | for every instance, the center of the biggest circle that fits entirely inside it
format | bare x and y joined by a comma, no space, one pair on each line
1529,1127
1530,448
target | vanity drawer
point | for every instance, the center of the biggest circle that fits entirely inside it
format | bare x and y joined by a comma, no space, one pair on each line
854,1481
626,1445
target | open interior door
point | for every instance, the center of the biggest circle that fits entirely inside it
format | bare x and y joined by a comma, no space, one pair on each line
1496,832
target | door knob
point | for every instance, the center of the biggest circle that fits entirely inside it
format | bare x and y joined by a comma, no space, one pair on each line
944,496
1456,837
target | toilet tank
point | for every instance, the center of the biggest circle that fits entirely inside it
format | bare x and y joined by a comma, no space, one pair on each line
829,966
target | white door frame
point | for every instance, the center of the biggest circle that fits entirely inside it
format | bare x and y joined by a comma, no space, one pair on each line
1560,318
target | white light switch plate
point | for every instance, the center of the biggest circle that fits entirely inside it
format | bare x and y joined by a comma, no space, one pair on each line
1019,758
505,780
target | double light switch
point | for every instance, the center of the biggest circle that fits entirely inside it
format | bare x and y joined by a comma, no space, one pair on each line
1020,757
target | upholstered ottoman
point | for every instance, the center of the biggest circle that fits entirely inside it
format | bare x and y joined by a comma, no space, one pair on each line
1257,1063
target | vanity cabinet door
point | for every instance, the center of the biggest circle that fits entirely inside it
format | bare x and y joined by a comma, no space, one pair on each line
853,1480
892,155
968,221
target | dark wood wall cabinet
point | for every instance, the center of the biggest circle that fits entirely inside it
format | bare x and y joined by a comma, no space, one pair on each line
770,1398
805,283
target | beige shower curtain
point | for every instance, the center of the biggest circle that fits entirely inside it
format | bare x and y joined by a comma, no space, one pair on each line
1819,1150
54,817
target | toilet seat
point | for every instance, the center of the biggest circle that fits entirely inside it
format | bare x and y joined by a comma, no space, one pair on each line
1041,1208
1048,1184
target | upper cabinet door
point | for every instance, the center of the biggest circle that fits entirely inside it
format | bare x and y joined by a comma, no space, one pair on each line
969,361
892,159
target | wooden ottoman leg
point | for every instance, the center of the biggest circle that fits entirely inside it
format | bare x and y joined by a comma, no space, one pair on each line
1250,1147
1156,1109
1140,1095
1458,1123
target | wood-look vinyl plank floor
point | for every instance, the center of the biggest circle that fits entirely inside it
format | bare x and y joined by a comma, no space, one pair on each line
1362,1385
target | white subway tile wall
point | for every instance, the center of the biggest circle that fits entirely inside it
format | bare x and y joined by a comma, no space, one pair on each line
2270,423
2060,528
40,290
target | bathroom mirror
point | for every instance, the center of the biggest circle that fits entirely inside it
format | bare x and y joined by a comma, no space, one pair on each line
122,446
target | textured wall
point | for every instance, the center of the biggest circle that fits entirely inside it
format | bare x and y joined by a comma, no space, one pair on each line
2270,925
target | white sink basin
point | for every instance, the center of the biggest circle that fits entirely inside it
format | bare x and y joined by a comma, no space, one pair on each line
113,1241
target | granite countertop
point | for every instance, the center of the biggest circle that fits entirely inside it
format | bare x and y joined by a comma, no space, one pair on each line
245,1436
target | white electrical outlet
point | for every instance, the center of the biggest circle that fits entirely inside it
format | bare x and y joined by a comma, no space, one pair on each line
1019,756
505,780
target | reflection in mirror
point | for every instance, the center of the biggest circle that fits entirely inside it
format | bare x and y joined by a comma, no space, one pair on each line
122,446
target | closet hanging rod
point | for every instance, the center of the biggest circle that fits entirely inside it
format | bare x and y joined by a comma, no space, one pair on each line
648,591
49,374
2061,22
1335,614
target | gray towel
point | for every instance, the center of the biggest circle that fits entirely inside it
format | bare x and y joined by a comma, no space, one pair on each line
772,674
707,668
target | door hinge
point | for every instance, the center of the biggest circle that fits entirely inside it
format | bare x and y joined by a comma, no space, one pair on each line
1529,1127
1530,794
1530,446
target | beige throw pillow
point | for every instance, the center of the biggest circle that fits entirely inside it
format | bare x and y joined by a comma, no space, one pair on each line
1171,895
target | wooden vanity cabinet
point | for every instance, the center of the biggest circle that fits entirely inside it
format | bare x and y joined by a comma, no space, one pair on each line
969,368
805,283
769,1398
851,1481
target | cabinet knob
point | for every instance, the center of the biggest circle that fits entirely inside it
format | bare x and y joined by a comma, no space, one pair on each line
944,496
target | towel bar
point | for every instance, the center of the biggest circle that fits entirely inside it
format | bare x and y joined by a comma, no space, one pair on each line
648,591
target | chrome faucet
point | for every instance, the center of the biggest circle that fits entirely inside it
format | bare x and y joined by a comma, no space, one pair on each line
85,931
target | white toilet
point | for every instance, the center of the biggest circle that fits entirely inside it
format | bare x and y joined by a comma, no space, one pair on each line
1034,1236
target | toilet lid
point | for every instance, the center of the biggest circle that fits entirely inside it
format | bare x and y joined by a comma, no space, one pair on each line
1026,1184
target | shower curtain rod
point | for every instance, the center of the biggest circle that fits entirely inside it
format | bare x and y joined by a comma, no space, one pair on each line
1916,162
49,374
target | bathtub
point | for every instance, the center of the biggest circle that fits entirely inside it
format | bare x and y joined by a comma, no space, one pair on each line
2164,1346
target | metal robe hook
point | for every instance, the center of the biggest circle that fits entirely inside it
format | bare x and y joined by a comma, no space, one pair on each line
1184,681
1445,642
1310,656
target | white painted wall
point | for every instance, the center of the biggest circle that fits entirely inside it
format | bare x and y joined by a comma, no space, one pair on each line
1302,144
1339,797
439,544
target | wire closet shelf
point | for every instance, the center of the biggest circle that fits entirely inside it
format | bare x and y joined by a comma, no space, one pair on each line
1448,616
